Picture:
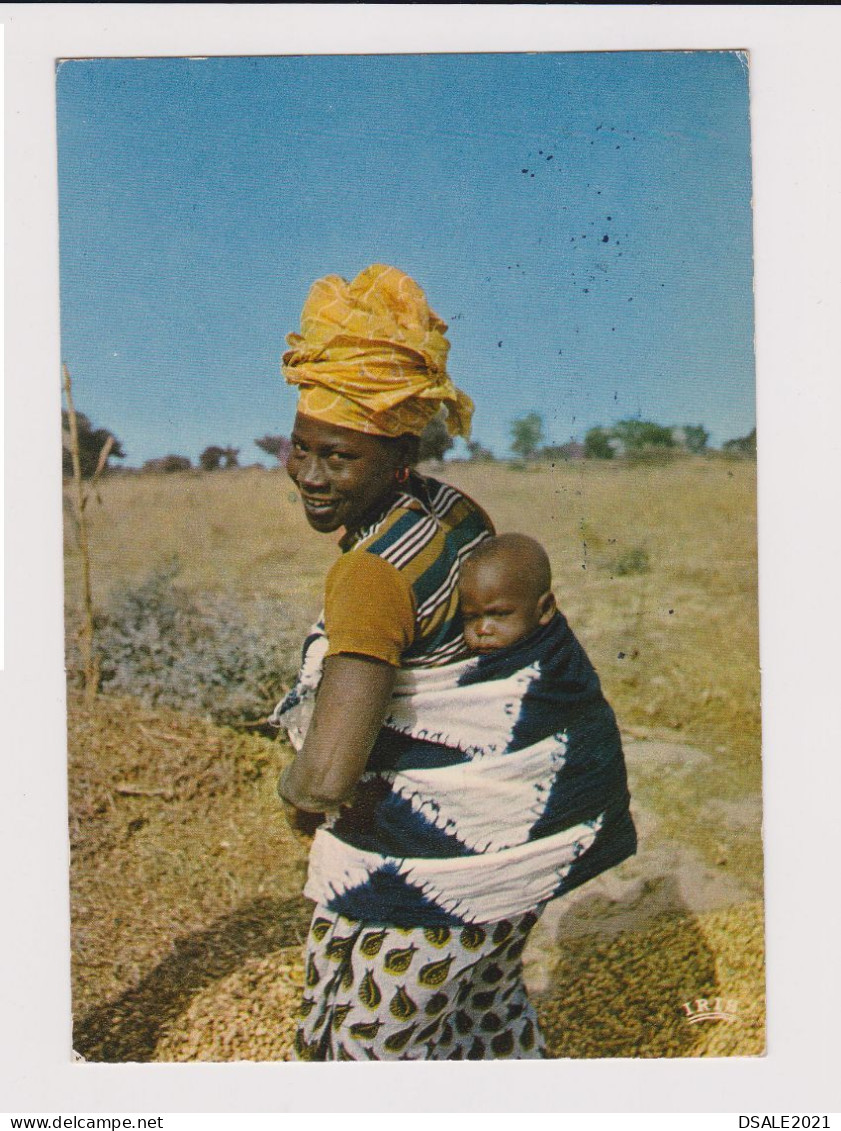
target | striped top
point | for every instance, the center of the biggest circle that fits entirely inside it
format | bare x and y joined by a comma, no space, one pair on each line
393,594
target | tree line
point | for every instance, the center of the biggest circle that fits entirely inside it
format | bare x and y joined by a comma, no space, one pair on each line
625,438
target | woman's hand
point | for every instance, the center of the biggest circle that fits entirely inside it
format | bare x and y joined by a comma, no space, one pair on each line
350,708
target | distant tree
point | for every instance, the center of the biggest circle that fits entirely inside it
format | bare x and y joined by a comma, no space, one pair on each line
527,434
695,437
597,444
637,434
277,446
435,440
744,446
91,443
211,458
478,452
167,464
214,458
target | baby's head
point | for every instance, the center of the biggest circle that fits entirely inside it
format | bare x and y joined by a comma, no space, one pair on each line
505,592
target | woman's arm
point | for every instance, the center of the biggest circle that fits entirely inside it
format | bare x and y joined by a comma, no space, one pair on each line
350,708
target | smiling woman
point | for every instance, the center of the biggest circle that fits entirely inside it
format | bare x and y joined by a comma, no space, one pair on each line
344,475
437,842
363,483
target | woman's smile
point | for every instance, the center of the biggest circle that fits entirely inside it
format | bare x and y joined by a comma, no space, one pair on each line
318,507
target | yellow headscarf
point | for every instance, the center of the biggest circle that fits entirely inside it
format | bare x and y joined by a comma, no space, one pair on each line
372,356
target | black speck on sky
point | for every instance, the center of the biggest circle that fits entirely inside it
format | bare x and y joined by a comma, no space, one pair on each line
605,239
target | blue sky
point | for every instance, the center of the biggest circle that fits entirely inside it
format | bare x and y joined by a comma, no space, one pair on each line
582,221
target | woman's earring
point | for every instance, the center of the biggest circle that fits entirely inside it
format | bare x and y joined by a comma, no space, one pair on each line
402,474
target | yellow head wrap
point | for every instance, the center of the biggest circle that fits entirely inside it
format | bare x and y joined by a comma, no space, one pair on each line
372,356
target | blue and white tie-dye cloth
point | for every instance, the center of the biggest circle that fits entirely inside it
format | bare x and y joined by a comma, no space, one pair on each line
496,783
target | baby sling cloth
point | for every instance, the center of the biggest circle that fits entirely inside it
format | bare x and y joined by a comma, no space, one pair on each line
496,783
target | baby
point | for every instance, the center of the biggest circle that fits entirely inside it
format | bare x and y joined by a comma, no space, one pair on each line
505,592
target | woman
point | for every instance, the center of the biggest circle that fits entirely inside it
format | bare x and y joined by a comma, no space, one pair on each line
423,908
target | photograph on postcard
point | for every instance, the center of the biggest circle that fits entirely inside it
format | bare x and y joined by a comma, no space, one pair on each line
410,557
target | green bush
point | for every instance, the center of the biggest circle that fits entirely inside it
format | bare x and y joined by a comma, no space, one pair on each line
597,444
630,562
744,446
636,435
652,455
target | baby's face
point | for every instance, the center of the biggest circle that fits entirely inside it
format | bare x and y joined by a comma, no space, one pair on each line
497,608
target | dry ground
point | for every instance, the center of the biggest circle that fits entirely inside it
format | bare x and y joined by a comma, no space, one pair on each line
186,911
188,922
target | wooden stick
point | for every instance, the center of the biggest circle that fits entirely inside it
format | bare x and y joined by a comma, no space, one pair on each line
89,661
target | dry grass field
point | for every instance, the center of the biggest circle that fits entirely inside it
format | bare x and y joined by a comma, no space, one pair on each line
186,907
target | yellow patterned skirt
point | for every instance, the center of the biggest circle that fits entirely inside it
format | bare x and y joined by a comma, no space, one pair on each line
419,993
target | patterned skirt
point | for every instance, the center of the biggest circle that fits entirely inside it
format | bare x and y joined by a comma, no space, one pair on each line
419,993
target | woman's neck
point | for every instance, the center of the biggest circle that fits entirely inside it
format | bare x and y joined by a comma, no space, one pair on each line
372,516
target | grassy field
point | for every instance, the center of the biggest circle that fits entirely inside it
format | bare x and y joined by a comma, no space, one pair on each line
186,895
655,568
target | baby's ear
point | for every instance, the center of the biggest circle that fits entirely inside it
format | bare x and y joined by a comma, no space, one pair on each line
546,607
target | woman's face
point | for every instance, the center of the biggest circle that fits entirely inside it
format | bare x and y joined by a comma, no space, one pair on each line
342,475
